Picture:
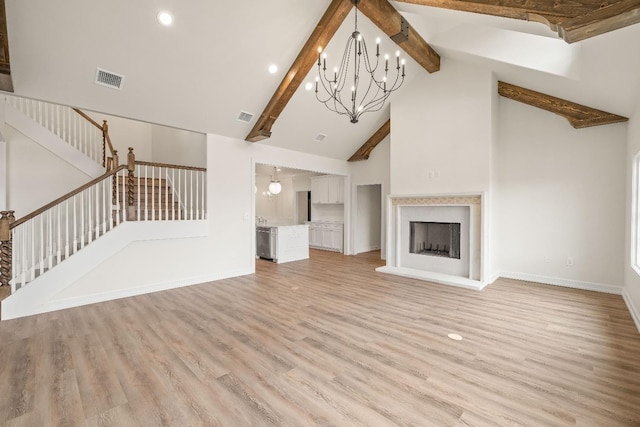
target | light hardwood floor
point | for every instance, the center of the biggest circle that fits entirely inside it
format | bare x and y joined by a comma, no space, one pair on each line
327,341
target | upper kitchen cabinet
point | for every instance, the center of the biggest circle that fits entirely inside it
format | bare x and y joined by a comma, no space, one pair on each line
327,189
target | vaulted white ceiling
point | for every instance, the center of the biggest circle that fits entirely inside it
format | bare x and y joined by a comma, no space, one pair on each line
199,73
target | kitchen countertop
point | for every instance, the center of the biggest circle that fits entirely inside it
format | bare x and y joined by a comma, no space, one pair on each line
279,225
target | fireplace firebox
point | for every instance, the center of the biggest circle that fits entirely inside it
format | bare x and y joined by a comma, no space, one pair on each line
441,239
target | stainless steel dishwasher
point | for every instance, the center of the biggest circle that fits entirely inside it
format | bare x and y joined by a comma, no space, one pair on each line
266,240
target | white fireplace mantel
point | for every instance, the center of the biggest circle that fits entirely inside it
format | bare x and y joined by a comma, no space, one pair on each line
400,208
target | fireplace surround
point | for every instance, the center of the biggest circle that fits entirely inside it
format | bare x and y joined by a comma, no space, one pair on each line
458,220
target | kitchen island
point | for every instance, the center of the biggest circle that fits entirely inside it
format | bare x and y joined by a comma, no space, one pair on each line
282,243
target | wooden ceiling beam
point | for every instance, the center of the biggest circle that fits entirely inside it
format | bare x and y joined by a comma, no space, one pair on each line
364,152
306,59
579,116
574,21
389,20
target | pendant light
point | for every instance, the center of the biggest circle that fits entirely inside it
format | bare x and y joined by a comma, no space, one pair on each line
274,186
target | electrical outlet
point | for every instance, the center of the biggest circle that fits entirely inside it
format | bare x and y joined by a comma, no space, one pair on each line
569,261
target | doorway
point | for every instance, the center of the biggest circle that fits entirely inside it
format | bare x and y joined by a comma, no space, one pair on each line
303,206
368,229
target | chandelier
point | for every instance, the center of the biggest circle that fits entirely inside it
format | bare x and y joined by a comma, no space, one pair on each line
360,96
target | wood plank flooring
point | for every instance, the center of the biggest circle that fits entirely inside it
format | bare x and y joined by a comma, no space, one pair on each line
327,341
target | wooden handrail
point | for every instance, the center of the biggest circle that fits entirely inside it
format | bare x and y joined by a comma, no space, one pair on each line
65,197
89,119
166,165
105,133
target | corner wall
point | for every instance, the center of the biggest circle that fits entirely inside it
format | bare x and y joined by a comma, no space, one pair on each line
631,291
560,195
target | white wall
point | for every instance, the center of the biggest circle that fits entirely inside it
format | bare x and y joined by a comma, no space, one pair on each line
127,133
35,176
275,208
441,123
560,193
155,143
178,147
631,277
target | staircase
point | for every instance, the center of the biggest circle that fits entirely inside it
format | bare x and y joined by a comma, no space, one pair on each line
138,192
153,199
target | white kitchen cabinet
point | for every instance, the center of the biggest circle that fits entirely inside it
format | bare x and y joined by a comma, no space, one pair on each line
335,189
315,235
327,189
326,235
319,189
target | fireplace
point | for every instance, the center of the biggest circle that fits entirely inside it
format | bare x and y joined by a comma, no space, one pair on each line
435,239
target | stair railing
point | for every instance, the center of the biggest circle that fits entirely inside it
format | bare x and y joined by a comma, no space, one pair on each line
174,192
72,126
137,191
60,229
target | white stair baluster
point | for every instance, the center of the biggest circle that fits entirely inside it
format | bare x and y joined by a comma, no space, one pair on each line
66,228
191,195
49,225
41,241
88,192
153,194
166,193
173,183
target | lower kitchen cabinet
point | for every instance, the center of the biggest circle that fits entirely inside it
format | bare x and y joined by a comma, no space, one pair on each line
326,235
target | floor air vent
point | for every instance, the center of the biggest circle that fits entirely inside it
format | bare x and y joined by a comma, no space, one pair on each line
109,79
244,117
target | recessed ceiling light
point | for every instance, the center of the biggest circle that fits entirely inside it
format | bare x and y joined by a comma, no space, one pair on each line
308,86
273,68
165,18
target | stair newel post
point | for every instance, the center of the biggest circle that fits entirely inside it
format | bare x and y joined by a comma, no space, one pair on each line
131,165
105,131
114,165
6,219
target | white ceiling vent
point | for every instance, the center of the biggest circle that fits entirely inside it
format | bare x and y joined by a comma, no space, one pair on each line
244,117
109,79
320,137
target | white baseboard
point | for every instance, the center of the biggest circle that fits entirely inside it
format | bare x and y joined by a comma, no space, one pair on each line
556,281
429,276
368,249
635,313
493,278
